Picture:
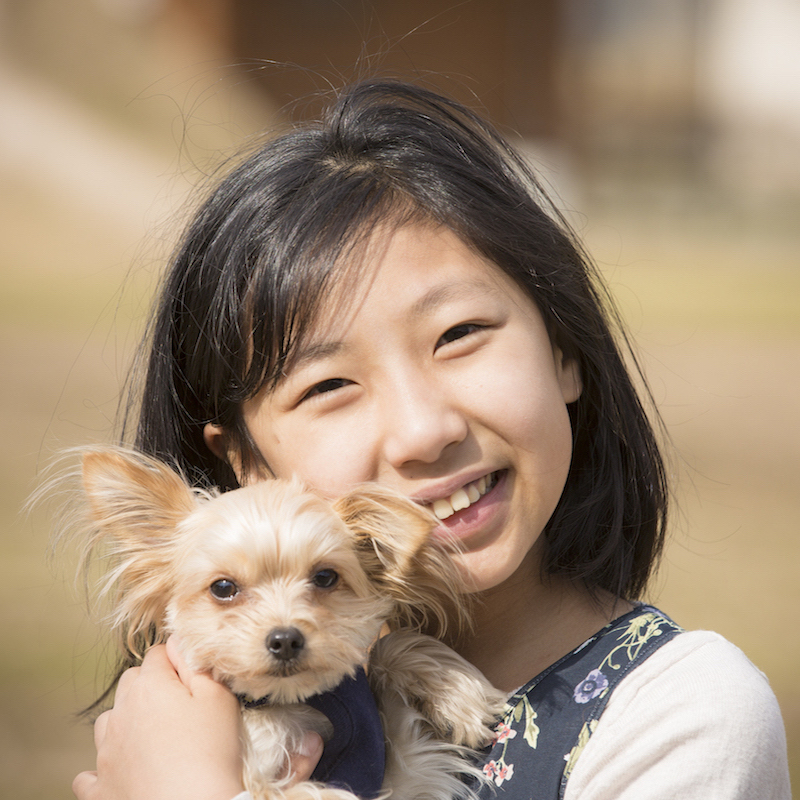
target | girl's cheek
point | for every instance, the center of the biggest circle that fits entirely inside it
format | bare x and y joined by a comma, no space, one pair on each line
330,458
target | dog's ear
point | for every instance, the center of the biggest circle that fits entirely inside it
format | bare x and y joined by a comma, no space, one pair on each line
135,504
391,529
133,497
396,552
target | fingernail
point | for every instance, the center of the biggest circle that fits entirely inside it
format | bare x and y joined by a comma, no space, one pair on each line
311,745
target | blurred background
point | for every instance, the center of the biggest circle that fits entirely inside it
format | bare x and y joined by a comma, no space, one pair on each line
669,131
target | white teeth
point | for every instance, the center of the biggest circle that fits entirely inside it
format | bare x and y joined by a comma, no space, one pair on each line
442,509
459,500
462,498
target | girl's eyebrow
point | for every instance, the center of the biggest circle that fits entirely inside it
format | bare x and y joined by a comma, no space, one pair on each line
438,296
424,306
316,351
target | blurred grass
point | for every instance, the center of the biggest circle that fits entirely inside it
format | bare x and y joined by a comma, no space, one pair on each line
716,319
66,334
715,316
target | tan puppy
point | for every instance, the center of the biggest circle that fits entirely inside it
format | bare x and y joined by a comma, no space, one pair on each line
279,594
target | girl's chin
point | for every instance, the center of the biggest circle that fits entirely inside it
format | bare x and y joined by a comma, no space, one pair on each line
482,573
497,566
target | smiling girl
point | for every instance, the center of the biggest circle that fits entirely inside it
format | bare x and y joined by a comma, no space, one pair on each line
388,297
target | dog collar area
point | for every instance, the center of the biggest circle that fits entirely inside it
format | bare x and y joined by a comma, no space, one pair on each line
354,759
246,702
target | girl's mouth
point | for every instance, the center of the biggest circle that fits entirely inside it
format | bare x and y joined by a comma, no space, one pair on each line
465,496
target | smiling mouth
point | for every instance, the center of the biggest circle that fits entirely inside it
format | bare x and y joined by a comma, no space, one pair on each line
465,496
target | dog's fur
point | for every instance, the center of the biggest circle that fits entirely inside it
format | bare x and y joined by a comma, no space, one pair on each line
277,546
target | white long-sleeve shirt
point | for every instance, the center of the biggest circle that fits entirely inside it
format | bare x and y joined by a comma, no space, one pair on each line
695,721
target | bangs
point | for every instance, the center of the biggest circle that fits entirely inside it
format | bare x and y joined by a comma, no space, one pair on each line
313,268
310,263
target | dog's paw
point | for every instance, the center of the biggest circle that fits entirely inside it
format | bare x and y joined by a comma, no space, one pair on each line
467,710
448,691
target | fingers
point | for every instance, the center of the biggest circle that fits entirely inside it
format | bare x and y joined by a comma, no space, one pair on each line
84,784
100,728
165,663
164,739
195,682
125,682
156,661
303,763
178,662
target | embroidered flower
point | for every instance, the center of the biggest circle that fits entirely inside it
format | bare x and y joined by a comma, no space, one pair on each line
503,732
504,773
590,687
490,769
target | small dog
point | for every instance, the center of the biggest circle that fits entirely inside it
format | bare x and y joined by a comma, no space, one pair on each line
281,595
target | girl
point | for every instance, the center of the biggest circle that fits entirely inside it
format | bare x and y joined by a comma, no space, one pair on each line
387,296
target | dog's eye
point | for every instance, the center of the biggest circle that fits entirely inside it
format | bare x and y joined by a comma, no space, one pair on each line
325,578
224,589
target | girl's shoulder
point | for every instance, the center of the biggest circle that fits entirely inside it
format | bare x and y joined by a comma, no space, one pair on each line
643,710
697,664
696,719
550,719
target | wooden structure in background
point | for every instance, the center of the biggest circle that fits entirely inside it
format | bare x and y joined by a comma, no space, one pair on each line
497,55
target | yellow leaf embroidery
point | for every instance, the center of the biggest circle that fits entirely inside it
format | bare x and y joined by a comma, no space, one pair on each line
583,737
531,732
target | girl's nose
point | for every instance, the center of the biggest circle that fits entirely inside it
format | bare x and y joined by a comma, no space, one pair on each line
420,424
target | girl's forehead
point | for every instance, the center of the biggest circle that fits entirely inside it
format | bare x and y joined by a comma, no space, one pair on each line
405,271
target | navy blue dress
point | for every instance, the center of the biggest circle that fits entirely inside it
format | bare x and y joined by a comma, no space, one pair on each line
548,721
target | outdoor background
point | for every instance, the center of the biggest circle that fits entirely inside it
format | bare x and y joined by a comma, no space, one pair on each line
670,131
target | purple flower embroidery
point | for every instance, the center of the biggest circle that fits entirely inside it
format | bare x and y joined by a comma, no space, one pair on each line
591,686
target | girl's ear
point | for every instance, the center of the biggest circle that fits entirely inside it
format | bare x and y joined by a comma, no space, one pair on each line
399,557
569,376
216,440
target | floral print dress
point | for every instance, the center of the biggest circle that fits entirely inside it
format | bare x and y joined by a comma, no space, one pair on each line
548,721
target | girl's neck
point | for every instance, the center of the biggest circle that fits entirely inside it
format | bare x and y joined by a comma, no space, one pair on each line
525,625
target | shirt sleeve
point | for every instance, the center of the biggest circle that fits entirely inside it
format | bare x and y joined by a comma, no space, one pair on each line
696,720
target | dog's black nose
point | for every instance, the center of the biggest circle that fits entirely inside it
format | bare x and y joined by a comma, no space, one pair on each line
285,643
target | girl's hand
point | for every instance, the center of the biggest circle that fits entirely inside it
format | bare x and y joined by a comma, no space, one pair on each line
173,733
301,765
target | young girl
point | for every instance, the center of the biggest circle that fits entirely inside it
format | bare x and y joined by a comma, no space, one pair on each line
387,296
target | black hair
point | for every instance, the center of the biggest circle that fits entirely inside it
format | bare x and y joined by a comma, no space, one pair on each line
259,257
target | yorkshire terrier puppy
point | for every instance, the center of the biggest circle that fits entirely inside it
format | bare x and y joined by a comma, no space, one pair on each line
282,596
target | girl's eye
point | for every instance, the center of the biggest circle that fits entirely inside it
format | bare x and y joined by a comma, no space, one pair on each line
224,589
325,578
330,385
458,332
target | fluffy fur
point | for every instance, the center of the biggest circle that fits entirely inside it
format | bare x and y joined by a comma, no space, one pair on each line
228,571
